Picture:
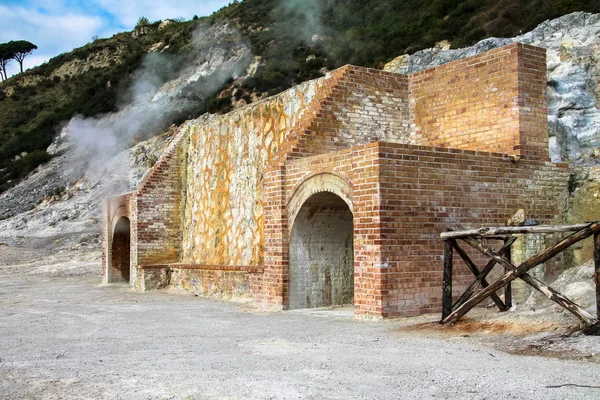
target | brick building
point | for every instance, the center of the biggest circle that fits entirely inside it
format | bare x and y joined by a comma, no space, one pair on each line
335,191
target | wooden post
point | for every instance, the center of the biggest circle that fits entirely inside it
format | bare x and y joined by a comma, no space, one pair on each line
477,273
597,265
488,268
508,287
595,329
447,280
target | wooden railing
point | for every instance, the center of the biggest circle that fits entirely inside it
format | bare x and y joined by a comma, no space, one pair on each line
451,312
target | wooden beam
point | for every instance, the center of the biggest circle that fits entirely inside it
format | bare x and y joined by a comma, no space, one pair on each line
477,273
597,267
488,268
509,230
522,268
447,279
595,329
508,287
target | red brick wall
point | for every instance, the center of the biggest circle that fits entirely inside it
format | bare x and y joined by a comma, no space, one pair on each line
359,167
533,105
426,190
355,105
494,101
404,196
157,205
365,105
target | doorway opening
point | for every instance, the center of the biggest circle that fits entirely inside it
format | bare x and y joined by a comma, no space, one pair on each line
120,251
322,254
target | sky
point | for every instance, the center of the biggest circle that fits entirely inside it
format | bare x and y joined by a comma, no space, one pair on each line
57,26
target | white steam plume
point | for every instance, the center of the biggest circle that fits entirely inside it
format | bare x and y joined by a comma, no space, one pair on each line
219,53
307,15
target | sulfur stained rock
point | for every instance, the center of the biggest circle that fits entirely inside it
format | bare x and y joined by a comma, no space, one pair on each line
584,205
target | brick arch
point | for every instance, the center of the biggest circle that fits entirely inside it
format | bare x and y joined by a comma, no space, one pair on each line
119,213
321,182
113,210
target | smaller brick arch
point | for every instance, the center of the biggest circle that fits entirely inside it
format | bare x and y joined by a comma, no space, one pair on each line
120,251
322,182
118,244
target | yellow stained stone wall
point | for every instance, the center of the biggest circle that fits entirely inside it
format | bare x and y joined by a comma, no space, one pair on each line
223,221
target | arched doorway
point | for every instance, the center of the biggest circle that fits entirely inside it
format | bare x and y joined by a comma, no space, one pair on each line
120,251
321,259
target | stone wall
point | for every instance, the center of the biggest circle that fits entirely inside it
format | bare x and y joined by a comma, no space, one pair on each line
227,156
224,219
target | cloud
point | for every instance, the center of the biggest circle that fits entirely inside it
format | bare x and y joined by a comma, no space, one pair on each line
58,26
127,13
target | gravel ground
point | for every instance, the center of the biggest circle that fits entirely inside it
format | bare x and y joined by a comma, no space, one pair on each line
65,336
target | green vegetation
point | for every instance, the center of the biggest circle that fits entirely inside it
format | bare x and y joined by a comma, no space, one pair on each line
371,32
297,40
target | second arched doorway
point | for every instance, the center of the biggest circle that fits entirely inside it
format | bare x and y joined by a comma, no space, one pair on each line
120,251
321,258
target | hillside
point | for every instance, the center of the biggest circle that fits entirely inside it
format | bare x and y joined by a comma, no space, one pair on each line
291,42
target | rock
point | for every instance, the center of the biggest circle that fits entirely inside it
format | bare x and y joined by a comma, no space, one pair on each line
517,219
165,23
398,64
141,31
584,205
576,283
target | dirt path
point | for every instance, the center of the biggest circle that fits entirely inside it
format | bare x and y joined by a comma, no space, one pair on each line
65,336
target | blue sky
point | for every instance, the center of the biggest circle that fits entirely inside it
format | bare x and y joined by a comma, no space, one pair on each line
56,26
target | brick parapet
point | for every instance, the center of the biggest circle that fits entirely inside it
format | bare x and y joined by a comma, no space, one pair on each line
493,101
157,226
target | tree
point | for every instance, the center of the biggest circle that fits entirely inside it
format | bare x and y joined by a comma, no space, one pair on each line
5,57
143,21
20,49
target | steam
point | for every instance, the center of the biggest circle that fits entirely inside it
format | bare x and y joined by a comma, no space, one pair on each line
306,15
165,89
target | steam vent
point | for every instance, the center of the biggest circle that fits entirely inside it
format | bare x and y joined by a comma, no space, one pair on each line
335,191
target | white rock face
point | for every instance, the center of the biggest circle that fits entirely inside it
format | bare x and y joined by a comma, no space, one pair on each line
573,53
576,283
